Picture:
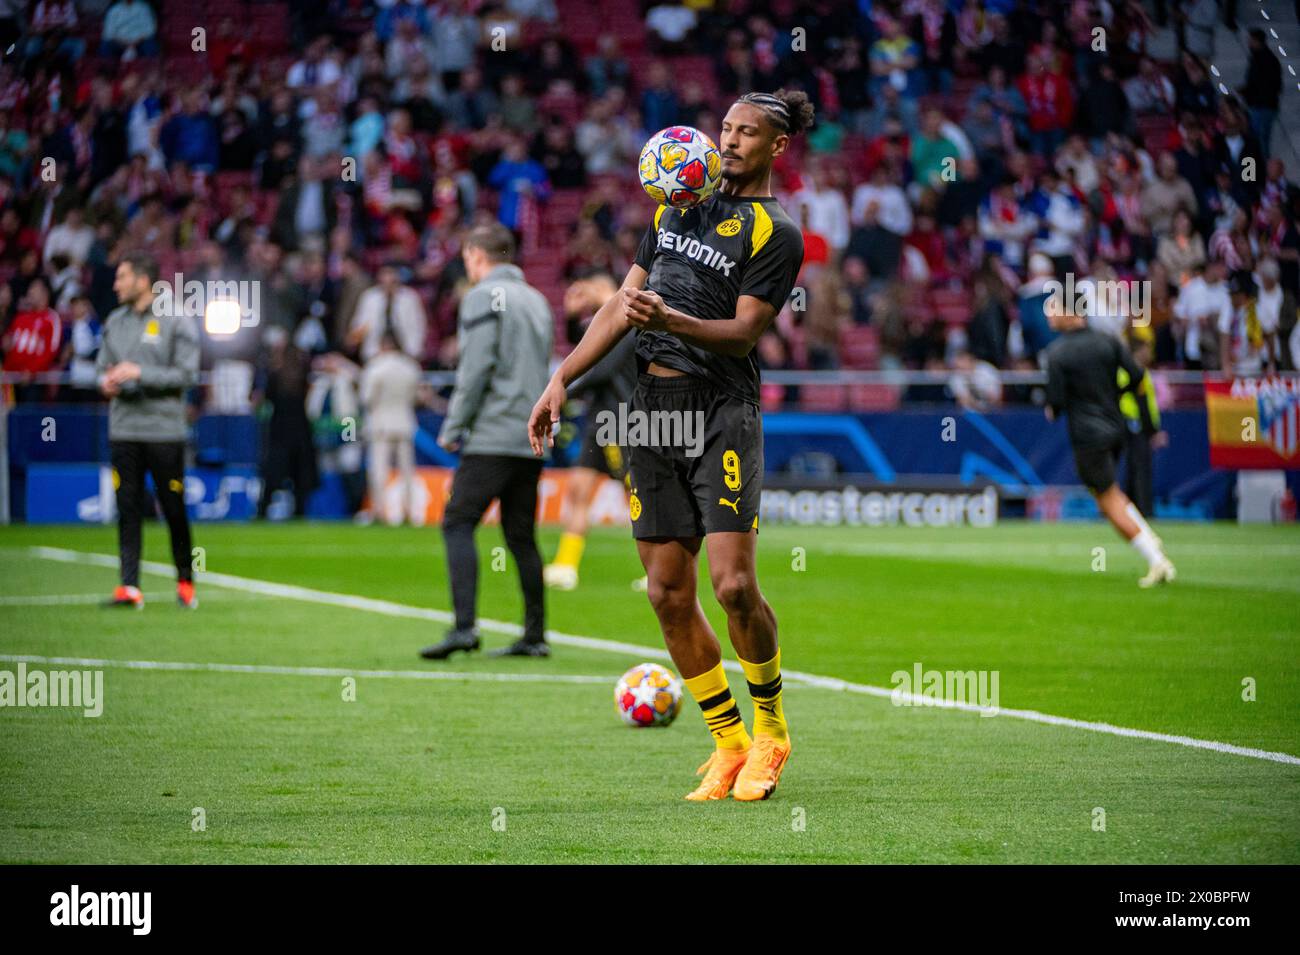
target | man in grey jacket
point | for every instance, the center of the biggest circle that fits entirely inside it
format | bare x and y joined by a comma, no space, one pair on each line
148,359
505,333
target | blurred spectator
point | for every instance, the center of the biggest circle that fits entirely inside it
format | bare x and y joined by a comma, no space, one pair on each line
1203,307
314,70
826,317
991,301
1165,195
1149,91
288,452
388,307
52,28
388,387
1263,88
190,136
472,103
828,211
934,155
563,164
607,67
882,218
659,106
1049,102
519,180
31,342
1035,332
670,25
895,59
1244,341
85,334
307,210
1005,225
130,30
1275,310
1182,251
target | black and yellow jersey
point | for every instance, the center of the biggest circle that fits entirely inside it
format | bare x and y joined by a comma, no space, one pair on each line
700,261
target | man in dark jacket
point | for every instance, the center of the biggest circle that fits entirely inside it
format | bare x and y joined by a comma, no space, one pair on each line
1263,88
505,333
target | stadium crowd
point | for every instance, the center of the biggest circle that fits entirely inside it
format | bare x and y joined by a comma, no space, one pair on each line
966,152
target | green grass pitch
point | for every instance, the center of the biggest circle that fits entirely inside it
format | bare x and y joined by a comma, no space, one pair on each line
286,769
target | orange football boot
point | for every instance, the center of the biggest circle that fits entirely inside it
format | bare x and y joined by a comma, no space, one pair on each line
185,595
758,777
124,596
719,771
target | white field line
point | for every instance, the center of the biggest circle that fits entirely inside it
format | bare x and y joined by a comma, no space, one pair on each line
60,600
92,663
392,609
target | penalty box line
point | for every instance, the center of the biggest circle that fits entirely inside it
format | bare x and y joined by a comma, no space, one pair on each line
392,609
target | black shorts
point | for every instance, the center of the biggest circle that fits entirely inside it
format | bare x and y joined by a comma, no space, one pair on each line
699,468
1096,466
609,458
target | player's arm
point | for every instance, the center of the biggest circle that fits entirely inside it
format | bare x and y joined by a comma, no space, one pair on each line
732,336
605,331
766,280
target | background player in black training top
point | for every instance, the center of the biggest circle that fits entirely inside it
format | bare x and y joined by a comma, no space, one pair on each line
706,284
1083,383
605,387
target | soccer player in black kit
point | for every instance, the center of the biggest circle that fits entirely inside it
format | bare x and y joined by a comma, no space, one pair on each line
706,284
1083,383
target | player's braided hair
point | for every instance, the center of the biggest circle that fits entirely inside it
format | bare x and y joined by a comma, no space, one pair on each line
788,110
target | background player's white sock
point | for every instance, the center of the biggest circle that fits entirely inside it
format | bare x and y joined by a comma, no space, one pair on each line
1136,517
1148,546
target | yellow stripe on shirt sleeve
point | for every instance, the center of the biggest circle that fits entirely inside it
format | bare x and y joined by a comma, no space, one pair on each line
762,229
659,215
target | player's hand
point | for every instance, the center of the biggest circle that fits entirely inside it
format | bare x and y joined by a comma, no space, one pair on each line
545,416
1160,439
645,309
107,388
123,372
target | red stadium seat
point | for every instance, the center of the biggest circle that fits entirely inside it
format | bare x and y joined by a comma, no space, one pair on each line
951,306
824,398
859,346
873,397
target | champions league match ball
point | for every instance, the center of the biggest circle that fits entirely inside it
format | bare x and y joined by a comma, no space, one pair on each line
680,166
648,695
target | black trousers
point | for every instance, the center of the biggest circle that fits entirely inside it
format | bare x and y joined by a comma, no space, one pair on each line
479,479
1138,475
165,460
290,457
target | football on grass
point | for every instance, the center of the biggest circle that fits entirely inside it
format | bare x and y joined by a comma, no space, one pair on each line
648,695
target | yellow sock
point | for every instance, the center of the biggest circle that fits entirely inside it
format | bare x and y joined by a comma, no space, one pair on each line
720,711
765,690
570,552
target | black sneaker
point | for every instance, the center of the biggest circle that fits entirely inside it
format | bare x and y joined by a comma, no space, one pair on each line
455,640
524,648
